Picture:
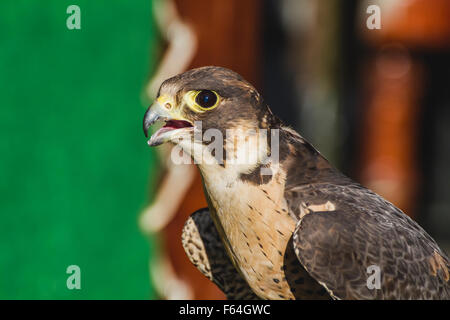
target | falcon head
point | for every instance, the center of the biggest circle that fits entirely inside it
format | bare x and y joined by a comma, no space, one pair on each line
202,99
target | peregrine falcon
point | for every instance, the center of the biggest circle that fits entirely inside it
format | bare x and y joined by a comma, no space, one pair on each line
287,224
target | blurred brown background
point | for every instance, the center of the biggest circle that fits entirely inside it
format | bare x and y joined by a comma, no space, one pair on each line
375,102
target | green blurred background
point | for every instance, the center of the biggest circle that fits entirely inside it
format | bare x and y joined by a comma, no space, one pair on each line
74,164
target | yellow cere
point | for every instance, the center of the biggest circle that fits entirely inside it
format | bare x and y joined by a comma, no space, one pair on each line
163,99
167,103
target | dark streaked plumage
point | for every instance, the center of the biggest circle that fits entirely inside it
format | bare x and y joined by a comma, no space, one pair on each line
305,231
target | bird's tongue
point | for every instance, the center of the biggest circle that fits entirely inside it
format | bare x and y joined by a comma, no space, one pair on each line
176,124
172,125
169,126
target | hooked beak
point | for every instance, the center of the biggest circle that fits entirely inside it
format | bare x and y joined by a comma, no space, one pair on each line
156,112
152,115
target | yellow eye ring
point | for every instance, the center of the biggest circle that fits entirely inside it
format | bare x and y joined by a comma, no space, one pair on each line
202,100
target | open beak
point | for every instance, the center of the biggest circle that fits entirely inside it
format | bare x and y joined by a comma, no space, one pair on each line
173,123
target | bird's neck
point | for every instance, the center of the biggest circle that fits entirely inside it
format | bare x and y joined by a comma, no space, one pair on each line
251,215
303,164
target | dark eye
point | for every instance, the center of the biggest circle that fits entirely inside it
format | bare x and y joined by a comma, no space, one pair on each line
206,99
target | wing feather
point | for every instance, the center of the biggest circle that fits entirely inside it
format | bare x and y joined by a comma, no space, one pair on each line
342,247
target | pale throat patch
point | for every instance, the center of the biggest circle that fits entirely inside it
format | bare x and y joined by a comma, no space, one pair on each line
227,157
